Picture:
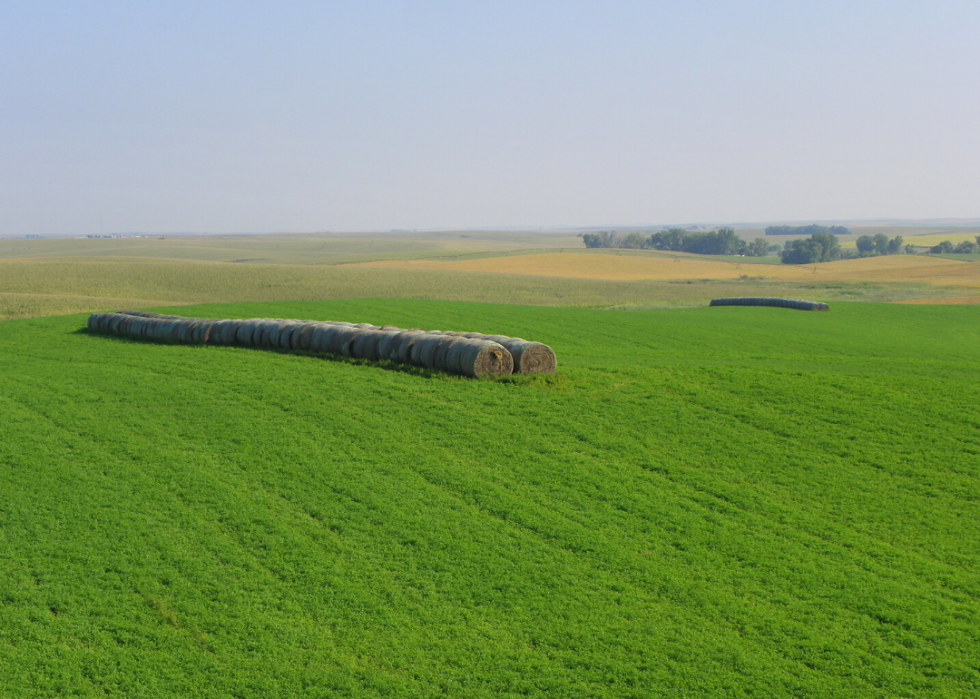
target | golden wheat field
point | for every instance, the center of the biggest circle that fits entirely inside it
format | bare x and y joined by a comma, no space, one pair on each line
890,269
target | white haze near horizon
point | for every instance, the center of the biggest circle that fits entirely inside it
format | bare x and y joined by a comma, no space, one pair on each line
247,116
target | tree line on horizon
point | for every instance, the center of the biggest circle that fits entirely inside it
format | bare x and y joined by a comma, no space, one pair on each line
966,247
821,246
723,241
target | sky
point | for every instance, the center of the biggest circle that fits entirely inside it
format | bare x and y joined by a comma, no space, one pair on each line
223,117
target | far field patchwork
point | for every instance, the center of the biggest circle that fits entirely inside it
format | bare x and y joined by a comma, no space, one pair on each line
702,502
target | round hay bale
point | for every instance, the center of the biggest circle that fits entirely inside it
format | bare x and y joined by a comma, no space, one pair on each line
114,323
366,345
286,334
295,331
261,336
531,357
476,357
305,336
229,334
329,342
243,336
439,359
402,351
156,330
329,339
270,334
138,327
424,350
191,324
124,324
215,331
316,338
388,345
344,340
198,329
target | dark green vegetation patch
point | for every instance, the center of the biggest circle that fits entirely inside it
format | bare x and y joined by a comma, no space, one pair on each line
743,503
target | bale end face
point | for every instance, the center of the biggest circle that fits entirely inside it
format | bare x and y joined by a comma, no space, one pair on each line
493,361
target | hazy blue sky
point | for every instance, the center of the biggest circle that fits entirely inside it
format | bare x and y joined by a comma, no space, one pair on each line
246,116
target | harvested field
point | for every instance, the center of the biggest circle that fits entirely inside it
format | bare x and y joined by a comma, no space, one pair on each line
888,269
947,301
39,287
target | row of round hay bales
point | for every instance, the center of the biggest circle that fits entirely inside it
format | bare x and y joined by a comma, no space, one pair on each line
774,302
455,353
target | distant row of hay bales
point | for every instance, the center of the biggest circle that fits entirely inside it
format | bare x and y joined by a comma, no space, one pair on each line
777,303
467,354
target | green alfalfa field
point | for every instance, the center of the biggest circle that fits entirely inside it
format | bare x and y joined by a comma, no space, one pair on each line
708,502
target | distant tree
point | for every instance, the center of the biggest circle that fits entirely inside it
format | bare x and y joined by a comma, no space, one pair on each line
759,247
670,239
723,241
895,245
910,249
967,247
819,247
881,243
944,248
602,239
866,245
634,241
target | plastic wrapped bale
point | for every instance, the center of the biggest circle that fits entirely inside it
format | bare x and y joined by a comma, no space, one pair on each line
476,357
772,303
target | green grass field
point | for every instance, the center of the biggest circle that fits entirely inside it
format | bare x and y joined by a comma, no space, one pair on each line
708,502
